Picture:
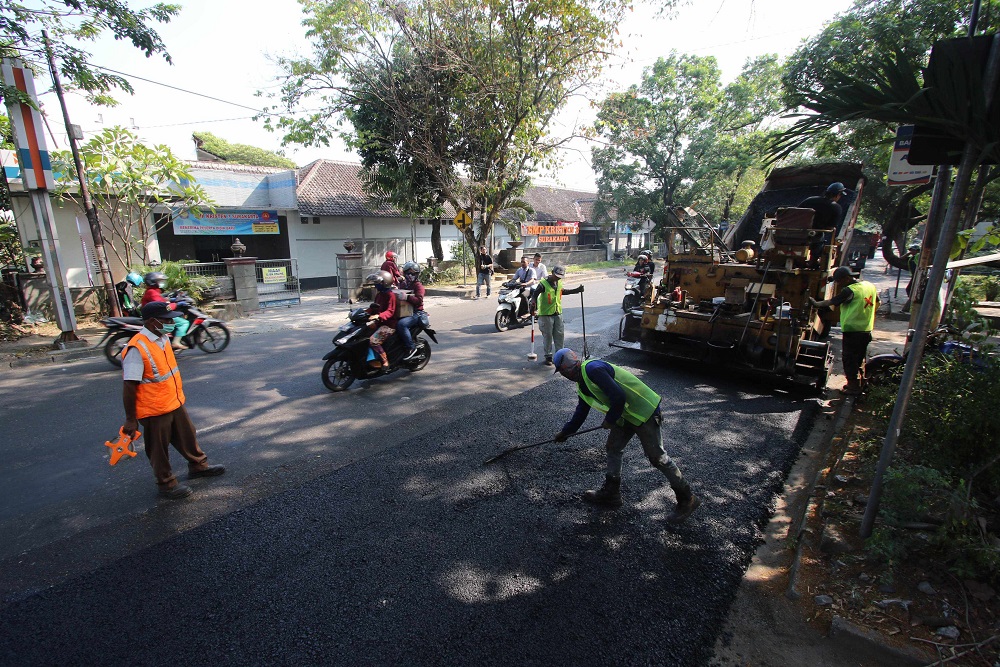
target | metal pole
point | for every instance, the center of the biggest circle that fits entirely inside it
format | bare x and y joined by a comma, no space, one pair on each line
970,158
88,205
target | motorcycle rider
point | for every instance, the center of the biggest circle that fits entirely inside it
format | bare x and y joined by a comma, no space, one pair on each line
392,267
645,267
411,283
127,302
382,315
156,282
525,276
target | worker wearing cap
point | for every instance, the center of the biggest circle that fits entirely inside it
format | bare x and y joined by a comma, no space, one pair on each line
630,408
858,301
154,396
546,298
829,214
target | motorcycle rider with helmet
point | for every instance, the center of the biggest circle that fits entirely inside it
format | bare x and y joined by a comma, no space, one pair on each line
383,315
411,283
392,267
645,268
156,282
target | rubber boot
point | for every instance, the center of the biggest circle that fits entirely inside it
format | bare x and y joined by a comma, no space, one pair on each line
687,503
852,388
608,495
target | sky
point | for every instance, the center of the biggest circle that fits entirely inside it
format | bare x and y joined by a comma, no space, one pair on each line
225,49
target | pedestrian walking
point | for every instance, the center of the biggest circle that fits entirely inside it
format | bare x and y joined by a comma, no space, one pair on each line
153,395
631,409
546,299
484,270
858,301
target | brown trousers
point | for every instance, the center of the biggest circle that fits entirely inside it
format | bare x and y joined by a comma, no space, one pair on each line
174,428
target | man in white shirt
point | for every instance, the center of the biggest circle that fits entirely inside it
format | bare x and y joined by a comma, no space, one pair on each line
540,271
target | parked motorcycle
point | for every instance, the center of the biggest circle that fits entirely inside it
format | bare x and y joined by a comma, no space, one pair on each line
635,287
881,368
512,306
348,361
209,334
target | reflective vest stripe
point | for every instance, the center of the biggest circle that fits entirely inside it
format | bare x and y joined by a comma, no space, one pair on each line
640,401
156,377
551,303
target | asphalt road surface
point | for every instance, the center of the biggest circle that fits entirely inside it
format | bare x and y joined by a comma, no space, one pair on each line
406,549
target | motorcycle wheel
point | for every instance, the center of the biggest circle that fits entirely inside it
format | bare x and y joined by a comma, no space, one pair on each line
213,338
629,302
337,374
502,320
423,356
881,371
113,348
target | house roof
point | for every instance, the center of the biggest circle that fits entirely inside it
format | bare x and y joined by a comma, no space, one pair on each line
326,187
234,168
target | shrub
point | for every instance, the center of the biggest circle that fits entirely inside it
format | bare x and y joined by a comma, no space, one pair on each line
196,286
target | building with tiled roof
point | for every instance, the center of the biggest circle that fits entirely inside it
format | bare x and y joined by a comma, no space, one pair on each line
326,187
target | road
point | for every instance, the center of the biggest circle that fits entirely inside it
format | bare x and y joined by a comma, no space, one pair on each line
361,528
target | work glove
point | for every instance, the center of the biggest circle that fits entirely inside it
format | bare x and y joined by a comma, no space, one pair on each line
561,436
581,289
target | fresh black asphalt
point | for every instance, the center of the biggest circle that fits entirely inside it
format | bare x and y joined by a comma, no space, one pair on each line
420,555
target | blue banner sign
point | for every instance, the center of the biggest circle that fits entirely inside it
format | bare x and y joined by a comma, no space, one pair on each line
227,223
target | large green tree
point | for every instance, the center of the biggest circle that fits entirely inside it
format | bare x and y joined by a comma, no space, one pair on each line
681,138
128,181
70,24
495,74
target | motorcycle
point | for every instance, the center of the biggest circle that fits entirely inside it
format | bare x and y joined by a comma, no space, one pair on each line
348,361
883,368
209,334
635,288
512,308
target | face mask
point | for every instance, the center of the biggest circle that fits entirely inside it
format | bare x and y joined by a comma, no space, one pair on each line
167,329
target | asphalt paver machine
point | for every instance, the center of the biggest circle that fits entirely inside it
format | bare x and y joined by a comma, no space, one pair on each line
742,300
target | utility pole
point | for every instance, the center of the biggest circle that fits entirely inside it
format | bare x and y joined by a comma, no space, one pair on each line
88,205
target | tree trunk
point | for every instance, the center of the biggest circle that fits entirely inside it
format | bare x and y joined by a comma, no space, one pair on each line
436,248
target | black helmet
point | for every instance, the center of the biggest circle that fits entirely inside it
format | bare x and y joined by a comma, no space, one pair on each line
155,279
383,278
411,267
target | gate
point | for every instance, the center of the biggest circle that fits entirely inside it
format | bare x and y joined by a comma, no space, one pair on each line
278,283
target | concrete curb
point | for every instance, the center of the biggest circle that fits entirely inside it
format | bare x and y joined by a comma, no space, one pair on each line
871,643
55,356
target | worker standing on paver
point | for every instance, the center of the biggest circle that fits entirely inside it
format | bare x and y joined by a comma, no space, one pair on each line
631,408
858,301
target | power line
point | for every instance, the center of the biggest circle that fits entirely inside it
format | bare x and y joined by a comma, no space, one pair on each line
167,85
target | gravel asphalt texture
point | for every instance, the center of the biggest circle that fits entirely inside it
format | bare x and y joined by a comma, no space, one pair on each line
420,555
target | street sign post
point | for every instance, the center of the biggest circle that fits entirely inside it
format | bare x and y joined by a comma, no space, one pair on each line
463,220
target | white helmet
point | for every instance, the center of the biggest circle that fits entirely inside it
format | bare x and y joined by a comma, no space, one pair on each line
383,278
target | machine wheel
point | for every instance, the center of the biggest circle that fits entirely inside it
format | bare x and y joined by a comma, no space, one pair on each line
113,348
337,374
213,338
423,356
502,320
630,301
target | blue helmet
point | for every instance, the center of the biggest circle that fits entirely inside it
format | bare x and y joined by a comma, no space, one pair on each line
134,278
565,359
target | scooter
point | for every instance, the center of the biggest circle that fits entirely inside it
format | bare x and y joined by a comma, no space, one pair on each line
635,287
350,357
209,334
512,306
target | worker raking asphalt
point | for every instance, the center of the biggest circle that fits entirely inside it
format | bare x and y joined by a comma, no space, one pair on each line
420,555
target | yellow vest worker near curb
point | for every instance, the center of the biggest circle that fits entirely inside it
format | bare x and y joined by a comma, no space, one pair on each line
630,408
154,396
546,298
858,301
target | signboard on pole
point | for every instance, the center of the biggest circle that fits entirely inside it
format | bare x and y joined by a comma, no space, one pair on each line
462,220
901,172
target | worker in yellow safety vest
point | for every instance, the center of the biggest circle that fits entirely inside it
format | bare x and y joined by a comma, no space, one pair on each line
630,408
858,300
154,397
546,298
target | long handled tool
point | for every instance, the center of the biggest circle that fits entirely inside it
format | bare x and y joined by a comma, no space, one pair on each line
532,355
536,444
583,312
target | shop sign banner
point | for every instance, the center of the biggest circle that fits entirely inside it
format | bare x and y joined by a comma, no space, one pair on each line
901,172
227,223
274,274
560,227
